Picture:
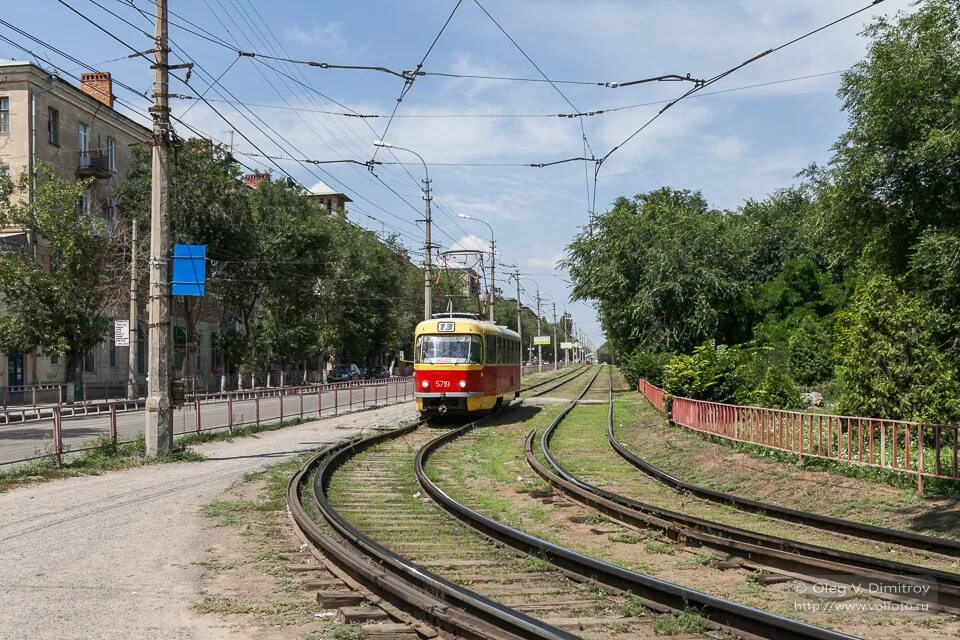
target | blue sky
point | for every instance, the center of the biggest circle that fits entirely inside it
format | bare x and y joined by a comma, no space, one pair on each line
733,146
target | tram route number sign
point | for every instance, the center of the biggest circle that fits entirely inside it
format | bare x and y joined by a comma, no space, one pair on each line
446,327
121,333
566,345
541,341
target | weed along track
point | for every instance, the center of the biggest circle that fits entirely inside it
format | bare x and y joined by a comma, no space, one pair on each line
783,564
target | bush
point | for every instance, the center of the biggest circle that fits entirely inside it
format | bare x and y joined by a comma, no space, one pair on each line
889,361
644,364
810,351
776,391
709,373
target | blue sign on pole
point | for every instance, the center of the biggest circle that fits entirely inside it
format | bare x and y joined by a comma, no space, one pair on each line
189,269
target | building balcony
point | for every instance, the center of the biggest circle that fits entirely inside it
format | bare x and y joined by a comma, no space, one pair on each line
93,164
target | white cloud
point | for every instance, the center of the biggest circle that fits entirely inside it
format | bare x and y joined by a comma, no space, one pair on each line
327,37
537,262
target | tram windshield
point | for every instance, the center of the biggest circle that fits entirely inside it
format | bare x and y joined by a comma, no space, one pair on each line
449,350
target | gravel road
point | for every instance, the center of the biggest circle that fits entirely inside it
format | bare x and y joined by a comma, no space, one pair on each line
116,556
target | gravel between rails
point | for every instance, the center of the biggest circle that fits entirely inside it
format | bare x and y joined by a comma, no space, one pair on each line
117,556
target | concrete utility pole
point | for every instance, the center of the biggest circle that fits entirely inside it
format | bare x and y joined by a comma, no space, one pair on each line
566,338
493,288
428,246
516,275
556,360
539,346
134,336
159,414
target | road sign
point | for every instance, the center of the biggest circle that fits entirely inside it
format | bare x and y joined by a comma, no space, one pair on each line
189,270
541,341
121,333
566,345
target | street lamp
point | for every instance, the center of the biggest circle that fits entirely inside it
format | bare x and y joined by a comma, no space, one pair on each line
427,265
539,346
492,295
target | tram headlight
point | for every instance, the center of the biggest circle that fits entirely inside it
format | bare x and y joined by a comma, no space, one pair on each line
425,384
463,384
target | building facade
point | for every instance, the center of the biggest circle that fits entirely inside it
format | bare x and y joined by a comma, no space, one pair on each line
78,134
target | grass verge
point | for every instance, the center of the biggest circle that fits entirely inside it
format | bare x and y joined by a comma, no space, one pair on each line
105,455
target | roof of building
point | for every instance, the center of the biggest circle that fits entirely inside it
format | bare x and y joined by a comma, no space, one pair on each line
321,188
27,63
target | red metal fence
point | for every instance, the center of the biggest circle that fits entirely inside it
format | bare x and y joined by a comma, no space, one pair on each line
652,393
923,450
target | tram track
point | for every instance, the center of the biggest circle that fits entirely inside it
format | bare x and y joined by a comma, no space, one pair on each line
357,503
554,383
797,560
823,522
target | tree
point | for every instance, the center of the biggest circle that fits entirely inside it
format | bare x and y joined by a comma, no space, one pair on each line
664,269
896,171
59,300
889,363
208,206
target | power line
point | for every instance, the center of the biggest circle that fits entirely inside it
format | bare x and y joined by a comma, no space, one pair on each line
408,82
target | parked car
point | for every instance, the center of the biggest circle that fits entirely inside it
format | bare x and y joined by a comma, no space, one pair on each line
345,373
377,372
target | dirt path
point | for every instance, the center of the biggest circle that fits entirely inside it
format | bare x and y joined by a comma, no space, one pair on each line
119,555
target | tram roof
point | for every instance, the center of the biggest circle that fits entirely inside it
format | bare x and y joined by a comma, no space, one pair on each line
461,325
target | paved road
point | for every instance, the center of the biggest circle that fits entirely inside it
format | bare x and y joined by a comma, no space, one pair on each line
117,556
20,442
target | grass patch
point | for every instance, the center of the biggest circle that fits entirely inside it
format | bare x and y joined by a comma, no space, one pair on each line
337,631
625,538
697,560
659,547
685,622
532,564
633,608
103,455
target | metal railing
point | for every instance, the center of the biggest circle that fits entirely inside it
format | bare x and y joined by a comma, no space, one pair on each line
653,394
53,432
923,450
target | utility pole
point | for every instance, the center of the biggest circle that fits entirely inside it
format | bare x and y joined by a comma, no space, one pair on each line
134,337
516,275
428,247
539,346
556,360
159,413
493,288
566,338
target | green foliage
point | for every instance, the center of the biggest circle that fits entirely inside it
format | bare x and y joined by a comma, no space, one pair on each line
889,361
56,299
707,373
850,281
896,171
657,293
294,281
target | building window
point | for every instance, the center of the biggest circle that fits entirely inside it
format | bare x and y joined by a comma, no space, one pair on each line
113,352
89,362
111,154
83,141
179,348
4,115
55,359
53,126
112,209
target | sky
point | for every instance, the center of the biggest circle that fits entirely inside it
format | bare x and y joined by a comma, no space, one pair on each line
742,142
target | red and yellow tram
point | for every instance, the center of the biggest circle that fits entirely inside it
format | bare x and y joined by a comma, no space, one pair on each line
463,365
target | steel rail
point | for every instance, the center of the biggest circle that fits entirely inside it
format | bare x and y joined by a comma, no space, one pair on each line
798,558
558,382
448,605
740,618
884,535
